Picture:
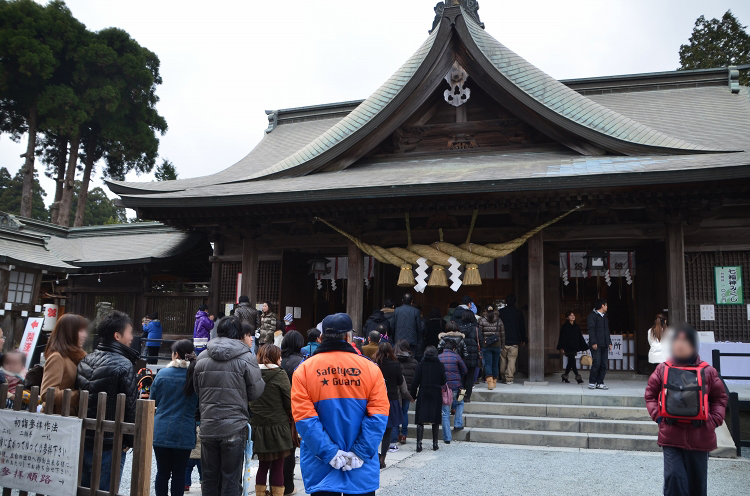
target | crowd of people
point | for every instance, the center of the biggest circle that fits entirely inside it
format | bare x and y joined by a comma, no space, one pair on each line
249,386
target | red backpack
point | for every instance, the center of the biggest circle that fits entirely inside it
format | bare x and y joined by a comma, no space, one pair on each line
684,395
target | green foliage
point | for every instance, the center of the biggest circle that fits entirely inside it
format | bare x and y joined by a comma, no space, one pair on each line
100,210
11,191
717,43
166,171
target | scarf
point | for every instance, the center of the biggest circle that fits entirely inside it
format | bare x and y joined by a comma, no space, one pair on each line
179,364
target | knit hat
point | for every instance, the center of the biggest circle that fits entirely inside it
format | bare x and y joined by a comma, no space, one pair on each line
466,300
337,323
288,317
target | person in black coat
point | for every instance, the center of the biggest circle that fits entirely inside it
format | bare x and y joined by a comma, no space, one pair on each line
109,369
408,368
434,327
570,343
515,336
426,388
600,343
470,330
394,378
291,357
377,318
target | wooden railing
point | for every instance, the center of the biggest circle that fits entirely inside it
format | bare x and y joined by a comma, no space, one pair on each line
142,431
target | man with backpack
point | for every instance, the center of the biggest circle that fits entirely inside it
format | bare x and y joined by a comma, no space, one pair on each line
599,343
688,400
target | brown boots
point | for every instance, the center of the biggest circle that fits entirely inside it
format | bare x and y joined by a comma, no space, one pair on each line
277,490
262,490
491,383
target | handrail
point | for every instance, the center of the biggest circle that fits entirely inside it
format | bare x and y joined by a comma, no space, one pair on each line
735,405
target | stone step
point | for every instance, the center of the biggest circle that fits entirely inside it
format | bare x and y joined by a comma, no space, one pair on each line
550,438
582,397
558,411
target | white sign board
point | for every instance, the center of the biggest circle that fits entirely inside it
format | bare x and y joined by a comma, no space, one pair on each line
30,337
39,453
298,312
707,312
617,347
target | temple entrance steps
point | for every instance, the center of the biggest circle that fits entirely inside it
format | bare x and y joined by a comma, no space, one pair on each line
564,416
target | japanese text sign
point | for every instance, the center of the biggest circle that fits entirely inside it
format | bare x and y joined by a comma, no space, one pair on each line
30,337
616,352
39,453
729,290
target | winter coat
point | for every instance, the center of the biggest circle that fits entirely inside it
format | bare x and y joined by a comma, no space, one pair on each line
429,377
408,367
491,325
152,330
598,328
226,378
60,372
310,348
271,432
684,435
659,351
571,340
174,422
407,324
203,326
458,315
247,315
458,338
290,364
267,328
455,369
472,343
515,325
109,369
369,350
433,329
339,402
393,376
449,317
377,318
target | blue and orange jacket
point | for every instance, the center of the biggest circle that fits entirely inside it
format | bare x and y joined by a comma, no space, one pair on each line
339,402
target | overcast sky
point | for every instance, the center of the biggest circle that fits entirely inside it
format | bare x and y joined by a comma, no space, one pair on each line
226,61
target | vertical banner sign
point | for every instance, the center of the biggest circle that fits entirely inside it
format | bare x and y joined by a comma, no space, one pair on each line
728,281
30,337
39,453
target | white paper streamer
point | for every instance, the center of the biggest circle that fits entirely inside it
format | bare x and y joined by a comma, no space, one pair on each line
565,277
455,273
607,278
421,278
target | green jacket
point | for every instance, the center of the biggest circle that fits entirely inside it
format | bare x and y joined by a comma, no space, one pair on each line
269,418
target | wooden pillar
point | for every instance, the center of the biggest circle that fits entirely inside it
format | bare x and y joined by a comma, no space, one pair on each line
215,289
355,287
250,270
675,245
536,309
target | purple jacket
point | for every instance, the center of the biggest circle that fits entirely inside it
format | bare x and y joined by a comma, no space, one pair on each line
203,326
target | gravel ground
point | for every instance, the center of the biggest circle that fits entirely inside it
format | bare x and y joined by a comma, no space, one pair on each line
511,470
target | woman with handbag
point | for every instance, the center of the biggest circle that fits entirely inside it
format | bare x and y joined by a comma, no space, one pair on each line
271,433
570,343
429,379
493,335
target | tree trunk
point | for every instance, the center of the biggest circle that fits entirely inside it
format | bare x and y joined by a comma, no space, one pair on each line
63,218
28,167
62,155
83,194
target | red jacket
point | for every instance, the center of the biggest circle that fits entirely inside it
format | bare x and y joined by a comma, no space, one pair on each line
684,435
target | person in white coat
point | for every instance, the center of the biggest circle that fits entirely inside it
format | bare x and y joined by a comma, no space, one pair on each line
658,341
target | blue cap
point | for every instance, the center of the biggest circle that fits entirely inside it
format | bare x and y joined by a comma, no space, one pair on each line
337,323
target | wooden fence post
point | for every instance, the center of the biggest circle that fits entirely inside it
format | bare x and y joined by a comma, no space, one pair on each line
140,480
96,466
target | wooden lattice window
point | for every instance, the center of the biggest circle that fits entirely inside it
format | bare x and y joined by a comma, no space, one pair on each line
731,322
228,289
269,284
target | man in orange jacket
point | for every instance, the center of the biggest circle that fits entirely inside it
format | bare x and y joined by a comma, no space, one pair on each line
340,407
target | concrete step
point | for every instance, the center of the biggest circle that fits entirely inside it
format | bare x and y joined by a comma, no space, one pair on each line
558,411
578,396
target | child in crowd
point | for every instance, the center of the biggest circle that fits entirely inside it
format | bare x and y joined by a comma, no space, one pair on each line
14,370
686,444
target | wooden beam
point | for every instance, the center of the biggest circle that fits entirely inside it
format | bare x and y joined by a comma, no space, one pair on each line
675,245
250,270
536,308
355,288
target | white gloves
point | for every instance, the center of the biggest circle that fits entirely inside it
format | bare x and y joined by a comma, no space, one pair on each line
339,461
346,461
352,462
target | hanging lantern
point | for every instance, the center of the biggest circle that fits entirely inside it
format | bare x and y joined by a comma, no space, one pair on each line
597,259
438,277
406,276
319,266
471,276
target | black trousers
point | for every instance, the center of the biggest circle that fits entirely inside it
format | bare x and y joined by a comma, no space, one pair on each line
685,472
170,464
599,367
469,382
223,461
571,365
289,464
152,351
